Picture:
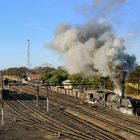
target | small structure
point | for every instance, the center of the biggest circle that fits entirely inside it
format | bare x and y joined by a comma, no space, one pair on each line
33,77
67,84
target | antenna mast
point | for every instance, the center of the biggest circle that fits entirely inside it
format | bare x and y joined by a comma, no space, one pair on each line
28,56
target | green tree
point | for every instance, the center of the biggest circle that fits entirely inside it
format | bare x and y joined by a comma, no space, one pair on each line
46,77
56,79
75,78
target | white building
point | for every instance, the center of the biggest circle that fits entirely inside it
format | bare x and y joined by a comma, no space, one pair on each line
67,84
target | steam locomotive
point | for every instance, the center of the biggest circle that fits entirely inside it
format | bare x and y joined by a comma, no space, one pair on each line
126,105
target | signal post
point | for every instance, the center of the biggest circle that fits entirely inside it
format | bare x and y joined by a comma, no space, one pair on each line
47,100
2,106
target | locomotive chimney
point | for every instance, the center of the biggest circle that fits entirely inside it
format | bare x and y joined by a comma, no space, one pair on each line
123,82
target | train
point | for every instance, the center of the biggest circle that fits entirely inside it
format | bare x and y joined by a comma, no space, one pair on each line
123,104
102,98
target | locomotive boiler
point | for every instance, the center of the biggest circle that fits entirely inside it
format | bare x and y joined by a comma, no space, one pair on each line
124,104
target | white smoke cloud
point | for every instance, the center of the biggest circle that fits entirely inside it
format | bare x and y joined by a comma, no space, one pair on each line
93,49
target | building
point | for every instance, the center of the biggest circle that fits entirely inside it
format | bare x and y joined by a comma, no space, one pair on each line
67,84
33,77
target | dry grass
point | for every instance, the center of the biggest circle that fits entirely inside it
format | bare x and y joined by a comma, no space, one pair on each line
132,91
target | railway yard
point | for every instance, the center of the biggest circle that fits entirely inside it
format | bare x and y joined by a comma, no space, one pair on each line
49,115
70,70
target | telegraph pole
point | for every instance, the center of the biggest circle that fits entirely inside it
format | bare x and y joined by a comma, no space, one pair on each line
37,95
47,99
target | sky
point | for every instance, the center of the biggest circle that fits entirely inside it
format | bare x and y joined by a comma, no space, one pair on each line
36,20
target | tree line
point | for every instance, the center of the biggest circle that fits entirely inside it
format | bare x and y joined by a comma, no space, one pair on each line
57,75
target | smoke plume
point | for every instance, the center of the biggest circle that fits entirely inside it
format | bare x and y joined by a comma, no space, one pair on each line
101,8
93,49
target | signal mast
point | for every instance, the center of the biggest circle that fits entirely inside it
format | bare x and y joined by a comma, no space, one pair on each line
28,56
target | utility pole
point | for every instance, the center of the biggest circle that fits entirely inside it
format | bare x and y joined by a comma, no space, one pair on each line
37,95
47,99
84,95
2,109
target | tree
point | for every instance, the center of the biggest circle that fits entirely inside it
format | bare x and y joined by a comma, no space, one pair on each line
21,71
46,77
75,78
56,79
134,80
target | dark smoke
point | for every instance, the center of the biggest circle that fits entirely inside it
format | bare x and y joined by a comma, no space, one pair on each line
93,49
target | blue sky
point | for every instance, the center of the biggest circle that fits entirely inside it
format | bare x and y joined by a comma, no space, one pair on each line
36,20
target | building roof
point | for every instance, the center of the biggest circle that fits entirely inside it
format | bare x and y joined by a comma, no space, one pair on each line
34,76
66,82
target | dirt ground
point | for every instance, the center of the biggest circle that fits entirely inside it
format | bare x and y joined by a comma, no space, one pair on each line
19,131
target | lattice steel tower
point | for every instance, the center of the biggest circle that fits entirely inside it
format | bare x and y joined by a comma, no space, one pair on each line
28,55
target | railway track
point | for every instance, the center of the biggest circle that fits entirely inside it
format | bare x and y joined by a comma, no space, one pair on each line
116,115
112,123
99,135
97,130
87,112
55,126
124,118
122,127
101,130
20,115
